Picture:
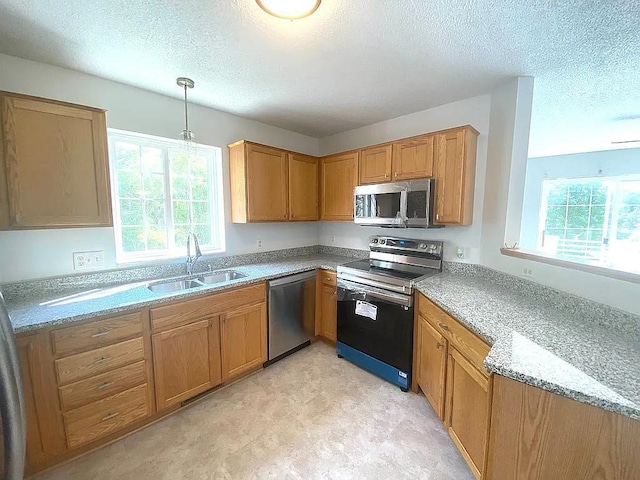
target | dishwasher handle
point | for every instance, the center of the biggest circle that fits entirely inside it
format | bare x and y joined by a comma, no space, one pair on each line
300,277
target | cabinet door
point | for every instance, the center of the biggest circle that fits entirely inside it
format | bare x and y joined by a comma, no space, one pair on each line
413,158
54,160
186,361
455,176
338,178
375,164
303,187
468,410
432,364
244,340
329,313
267,195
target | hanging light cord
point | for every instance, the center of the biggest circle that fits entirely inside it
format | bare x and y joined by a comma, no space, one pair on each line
186,115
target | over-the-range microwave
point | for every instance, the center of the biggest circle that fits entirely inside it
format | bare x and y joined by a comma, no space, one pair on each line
395,204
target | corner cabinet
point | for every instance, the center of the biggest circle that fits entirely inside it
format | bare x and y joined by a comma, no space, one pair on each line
448,361
454,171
53,165
338,178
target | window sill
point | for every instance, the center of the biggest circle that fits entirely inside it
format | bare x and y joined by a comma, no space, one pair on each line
559,262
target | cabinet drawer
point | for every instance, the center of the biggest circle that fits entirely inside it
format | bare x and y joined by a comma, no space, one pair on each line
82,365
100,418
177,314
94,388
96,334
471,346
328,277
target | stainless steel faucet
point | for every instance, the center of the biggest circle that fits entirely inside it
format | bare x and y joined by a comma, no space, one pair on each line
192,259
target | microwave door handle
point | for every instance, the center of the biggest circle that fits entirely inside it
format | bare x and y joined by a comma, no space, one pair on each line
404,205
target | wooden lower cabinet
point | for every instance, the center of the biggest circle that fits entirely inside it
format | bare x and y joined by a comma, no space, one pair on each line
539,435
243,340
468,410
186,361
328,308
431,354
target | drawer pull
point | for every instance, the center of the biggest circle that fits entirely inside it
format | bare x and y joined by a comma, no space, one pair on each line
443,326
101,334
102,360
109,416
328,279
439,345
105,385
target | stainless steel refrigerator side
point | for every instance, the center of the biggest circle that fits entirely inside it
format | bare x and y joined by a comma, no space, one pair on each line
11,400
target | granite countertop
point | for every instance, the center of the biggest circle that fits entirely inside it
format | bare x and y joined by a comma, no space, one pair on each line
541,342
52,309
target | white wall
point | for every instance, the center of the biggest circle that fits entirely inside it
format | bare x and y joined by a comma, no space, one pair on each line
42,253
507,153
590,164
473,111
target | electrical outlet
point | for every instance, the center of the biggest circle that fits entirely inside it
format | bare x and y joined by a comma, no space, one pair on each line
333,239
527,272
88,260
460,252
259,243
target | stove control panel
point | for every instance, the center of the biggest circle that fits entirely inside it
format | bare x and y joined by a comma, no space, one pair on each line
406,245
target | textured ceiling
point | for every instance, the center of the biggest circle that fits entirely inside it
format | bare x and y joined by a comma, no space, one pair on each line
352,63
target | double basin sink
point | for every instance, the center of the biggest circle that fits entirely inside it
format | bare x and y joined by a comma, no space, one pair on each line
175,285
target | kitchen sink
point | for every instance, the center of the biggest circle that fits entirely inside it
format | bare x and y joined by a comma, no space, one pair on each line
195,282
220,277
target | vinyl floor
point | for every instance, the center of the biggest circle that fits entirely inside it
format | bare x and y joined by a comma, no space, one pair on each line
311,415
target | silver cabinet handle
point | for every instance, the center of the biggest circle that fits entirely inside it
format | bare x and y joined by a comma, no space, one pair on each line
101,334
109,416
105,385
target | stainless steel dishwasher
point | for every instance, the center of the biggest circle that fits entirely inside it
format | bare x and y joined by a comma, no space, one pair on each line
292,307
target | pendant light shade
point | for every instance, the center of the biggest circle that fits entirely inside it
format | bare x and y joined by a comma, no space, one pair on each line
289,9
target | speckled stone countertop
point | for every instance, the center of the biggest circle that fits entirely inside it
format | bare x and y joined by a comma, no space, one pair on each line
547,339
51,308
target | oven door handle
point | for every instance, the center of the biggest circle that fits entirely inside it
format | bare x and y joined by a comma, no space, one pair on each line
398,299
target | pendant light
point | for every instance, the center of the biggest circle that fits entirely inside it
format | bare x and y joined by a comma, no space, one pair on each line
288,9
187,138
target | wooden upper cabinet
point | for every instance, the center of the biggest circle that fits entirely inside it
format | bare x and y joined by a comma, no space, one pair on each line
259,186
53,165
375,164
413,158
454,171
303,187
338,178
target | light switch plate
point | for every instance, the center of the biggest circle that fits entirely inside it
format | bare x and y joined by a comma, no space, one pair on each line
88,260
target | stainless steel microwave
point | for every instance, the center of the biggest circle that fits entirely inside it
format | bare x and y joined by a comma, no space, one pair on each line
395,204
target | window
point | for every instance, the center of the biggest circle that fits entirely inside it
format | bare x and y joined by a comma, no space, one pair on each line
161,193
592,220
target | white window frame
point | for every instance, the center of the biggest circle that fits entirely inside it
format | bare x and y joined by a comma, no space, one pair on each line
215,185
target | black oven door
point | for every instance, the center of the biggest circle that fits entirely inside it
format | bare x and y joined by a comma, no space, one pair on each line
389,336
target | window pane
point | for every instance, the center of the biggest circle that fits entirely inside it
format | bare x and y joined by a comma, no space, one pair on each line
154,186
629,221
154,212
199,188
200,212
133,239
203,232
181,213
180,237
597,217
595,235
579,194
131,212
152,160
156,238
129,185
127,156
556,217
576,234
554,232
178,163
558,194
599,194
577,217
179,188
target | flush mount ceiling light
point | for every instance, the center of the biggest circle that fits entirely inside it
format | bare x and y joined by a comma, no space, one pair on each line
289,9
